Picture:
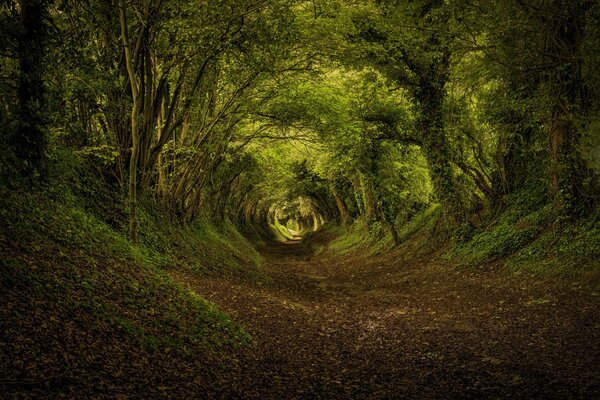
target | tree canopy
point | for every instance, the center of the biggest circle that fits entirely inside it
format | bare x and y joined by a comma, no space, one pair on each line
300,199
355,111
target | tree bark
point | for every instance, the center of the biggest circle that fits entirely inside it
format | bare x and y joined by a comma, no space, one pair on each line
368,195
135,134
357,189
31,141
430,97
564,38
341,207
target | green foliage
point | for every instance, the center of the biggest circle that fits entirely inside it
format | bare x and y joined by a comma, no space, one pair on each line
62,251
378,115
571,250
526,215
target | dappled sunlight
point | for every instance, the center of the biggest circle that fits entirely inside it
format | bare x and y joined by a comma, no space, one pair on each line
291,220
300,199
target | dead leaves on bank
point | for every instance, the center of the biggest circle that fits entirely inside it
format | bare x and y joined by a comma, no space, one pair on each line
323,327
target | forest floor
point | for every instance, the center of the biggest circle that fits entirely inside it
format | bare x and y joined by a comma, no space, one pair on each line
339,327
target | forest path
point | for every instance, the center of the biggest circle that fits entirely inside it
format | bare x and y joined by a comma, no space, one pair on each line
357,327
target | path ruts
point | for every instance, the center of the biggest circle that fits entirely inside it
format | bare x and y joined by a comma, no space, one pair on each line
357,327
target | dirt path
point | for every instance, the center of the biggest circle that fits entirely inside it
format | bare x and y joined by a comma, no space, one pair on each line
339,328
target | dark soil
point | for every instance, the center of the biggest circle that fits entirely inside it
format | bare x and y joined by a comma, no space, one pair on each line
357,327
325,326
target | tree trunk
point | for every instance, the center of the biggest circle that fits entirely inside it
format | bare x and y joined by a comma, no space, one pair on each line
161,184
357,189
341,207
368,195
135,134
437,152
31,141
564,40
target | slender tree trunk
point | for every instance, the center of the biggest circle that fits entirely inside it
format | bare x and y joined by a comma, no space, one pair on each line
341,207
389,222
357,189
316,224
368,195
161,185
135,134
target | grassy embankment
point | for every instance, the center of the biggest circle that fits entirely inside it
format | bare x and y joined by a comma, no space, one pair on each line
77,295
524,237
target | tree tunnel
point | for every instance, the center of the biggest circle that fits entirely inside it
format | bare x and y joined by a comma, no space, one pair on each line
284,219
260,113
295,218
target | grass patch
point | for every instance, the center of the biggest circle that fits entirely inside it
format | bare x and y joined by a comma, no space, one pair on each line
573,250
510,231
527,237
376,239
59,254
372,239
200,247
65,257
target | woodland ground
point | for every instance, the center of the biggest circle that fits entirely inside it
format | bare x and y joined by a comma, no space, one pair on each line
79,319
338,327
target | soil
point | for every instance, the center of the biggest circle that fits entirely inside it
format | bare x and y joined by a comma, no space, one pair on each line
355,327
325,326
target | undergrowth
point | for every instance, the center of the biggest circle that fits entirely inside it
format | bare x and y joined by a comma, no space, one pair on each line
525,236
374,239
528,236
508,231
63,246
572,250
